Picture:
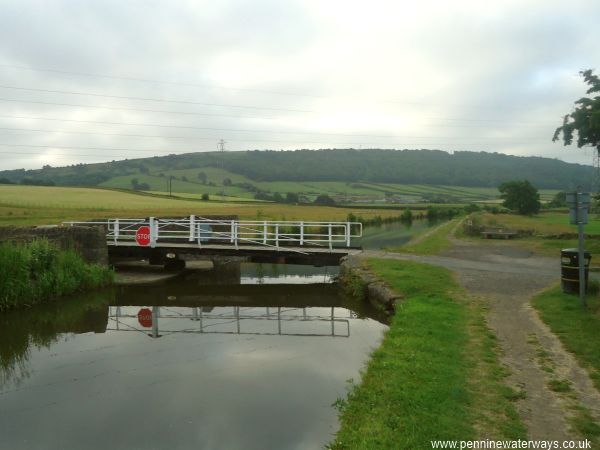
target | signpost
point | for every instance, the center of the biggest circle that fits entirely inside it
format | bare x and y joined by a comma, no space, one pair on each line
142,236
579,203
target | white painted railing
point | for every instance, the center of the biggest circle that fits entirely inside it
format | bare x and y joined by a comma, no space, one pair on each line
203,231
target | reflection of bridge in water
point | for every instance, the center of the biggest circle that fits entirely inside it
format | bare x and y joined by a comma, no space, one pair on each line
261,321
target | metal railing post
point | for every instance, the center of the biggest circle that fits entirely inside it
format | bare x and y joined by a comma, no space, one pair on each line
231,232
235,234
264,233
330,243
348,233
192,226
199,230
116,231
301,234
277,236
153,232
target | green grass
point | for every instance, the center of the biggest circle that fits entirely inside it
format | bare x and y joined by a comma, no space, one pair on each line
577,328
37,271
436,374
160,184
431,242
541,232
550,223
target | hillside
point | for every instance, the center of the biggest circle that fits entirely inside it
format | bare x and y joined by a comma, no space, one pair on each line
407,175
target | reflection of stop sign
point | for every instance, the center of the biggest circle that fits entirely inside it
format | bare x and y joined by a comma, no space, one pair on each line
142,236
145,317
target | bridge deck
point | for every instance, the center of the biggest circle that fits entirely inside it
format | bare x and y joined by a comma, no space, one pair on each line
317,256
241,247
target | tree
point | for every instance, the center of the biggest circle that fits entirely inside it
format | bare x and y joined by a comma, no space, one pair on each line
202,177
585,119
292,197
324,199
226,181
559,200
520,196
205,197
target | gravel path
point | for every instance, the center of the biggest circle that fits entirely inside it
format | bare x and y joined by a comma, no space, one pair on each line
507,277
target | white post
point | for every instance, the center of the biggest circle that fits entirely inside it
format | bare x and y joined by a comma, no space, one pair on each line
192,227
264,233
277,236
235,234
348,233
198,232
155,316
153,232
332,322
301,234
116,231
330,245
231,232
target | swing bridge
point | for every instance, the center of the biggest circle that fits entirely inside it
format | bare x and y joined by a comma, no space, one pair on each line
170,241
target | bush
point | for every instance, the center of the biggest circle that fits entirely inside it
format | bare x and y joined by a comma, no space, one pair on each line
471,208
205,197
407,215
31,273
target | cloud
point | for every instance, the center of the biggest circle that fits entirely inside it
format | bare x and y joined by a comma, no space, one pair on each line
463,75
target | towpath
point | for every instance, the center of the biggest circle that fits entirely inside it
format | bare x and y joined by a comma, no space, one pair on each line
507,277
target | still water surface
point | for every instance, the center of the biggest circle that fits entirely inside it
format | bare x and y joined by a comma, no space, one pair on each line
252,359
392,234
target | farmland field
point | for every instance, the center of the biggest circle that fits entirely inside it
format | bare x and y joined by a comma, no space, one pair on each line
33,205
188,181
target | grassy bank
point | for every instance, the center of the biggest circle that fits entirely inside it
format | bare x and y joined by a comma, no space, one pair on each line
545,233
431,242
31,273
436,374
577,328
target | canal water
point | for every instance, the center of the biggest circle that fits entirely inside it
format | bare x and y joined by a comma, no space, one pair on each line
251,358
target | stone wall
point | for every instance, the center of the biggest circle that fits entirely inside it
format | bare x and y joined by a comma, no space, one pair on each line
89,242
357,280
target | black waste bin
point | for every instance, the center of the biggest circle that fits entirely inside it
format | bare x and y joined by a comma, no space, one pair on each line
569,264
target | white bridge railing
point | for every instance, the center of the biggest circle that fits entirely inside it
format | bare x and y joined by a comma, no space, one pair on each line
201,231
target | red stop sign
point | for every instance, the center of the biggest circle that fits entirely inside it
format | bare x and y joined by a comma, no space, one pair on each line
145,317
142,235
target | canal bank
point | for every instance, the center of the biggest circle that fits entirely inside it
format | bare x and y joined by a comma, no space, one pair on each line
37,271
436,374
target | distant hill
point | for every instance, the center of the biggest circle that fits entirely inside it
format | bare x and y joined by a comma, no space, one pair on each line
247,170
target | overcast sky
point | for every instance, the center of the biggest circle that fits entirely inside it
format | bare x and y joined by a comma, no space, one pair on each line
88,81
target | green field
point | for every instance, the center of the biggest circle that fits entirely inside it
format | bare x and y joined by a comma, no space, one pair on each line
187,181
34,205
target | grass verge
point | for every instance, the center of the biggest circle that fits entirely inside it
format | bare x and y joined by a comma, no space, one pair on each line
431,243
31,273
436,374
577,328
